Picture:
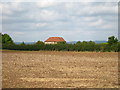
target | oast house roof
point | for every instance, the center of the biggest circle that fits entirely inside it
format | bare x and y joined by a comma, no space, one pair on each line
55,39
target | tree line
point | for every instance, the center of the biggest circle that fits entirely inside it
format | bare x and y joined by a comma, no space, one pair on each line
111,45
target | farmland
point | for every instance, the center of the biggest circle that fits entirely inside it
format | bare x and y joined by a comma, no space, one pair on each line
59,69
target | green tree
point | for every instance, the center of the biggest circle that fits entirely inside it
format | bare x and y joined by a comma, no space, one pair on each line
0,38
22,43
6,39
64,42
78,42
39,42
112,40
119,46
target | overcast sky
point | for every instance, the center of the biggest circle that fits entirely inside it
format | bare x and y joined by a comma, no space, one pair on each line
74,21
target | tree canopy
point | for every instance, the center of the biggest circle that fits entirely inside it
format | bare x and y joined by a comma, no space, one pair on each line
111,45
6,39
112,40
39,42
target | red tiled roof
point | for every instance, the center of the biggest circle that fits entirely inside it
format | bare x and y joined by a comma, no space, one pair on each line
55,39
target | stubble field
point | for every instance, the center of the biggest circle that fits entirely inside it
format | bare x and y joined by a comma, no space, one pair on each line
52,69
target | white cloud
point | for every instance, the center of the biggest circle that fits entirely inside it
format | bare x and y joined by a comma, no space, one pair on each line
46,3
47,14
9,8
89,18
94,9
41,24
60,0
60,19
99,22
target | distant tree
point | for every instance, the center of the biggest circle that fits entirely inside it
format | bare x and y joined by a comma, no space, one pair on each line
111,45
64,42
112,40
91,46
39,42
6,39
78,42
85,42
22,43
0,38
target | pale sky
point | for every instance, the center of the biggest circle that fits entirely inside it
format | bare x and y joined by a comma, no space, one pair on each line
74,21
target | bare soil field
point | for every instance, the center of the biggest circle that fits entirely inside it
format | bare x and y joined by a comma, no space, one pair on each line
53,69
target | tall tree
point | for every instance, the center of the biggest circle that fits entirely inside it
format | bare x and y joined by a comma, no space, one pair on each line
6,39
112,40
